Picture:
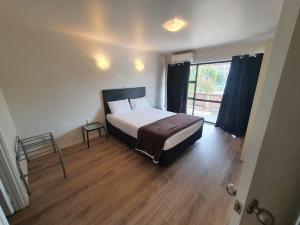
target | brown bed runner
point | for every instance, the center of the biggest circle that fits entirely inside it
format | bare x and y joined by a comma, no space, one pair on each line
151,138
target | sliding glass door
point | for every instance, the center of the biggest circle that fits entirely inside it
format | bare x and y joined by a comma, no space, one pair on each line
206,87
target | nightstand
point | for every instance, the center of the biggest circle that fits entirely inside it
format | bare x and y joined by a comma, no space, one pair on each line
93,127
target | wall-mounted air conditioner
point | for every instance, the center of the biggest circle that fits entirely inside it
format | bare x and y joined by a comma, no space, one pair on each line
182,57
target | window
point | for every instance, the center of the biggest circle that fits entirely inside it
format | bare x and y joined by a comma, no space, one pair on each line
206,87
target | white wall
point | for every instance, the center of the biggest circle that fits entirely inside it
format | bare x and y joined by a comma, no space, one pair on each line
52,83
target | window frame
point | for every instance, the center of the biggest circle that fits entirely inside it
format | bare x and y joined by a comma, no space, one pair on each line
194,99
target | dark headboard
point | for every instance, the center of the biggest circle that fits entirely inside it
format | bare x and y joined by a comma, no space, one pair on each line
120,94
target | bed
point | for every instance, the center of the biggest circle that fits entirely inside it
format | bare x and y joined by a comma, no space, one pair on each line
125,126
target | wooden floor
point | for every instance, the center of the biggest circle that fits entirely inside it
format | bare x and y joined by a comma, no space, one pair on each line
111,184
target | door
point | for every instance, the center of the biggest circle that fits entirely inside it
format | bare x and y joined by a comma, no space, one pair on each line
206,87
272,145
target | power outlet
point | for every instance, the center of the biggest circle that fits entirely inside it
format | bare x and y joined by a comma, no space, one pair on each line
238,206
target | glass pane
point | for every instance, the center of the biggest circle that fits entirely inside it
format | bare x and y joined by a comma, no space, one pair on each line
189,107
191,90
212,80
193,73
208,110
92,126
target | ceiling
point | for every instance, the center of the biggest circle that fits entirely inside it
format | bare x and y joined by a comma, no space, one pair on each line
138,23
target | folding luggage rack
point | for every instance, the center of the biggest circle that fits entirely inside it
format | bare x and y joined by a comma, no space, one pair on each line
29,148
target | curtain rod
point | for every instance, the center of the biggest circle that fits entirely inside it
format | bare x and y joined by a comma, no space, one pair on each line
211,62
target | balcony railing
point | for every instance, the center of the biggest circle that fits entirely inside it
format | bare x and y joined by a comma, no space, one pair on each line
205,105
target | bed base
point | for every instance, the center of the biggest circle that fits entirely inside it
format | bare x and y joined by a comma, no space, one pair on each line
167,156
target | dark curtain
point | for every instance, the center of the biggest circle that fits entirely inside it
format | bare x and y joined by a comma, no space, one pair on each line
239,93
177,86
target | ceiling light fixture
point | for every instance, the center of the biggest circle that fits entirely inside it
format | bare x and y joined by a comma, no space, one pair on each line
174,25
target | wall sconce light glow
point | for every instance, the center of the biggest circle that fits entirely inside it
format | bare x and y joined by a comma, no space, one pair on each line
174,25
139,65
102,62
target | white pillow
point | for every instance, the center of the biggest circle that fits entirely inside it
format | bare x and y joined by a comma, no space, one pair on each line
139,103
118,107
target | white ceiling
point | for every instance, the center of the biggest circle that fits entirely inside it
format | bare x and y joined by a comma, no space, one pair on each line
138,23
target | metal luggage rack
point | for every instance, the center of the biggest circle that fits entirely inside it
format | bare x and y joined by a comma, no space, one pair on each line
29,148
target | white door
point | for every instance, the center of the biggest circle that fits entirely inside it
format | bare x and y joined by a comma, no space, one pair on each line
271,171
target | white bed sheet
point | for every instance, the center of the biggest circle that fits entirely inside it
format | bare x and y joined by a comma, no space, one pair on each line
130,122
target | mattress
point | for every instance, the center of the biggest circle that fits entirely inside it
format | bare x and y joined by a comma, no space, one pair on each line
130,122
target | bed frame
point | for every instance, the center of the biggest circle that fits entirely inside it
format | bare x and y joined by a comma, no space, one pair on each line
138,92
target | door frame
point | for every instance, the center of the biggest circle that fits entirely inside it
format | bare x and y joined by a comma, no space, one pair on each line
3,219
11,179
